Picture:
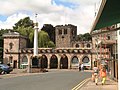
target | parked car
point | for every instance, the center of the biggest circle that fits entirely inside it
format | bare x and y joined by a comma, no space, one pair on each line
5,69
1,70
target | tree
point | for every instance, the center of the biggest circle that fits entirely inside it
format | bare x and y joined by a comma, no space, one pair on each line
50,30
87,37
84,37
25,22
44,41
2,31
51,44
25,27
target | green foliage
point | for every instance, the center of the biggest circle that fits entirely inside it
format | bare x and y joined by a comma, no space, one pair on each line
25,27
87,37
51,44
44,41
25,22
84,37
50,30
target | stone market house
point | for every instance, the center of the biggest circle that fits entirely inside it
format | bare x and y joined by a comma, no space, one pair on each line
68,53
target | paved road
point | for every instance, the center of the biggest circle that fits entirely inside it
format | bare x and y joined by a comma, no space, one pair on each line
57,80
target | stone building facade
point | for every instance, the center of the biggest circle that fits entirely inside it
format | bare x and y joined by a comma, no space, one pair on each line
105,46
66,55
65,35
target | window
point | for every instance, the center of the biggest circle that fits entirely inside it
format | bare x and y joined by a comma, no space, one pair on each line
11,45
108,37
77,45
10,59
60,31
24,60
95,63
88,45
65,31
75,60
85,59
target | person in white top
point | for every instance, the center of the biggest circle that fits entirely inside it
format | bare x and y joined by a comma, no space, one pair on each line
82,67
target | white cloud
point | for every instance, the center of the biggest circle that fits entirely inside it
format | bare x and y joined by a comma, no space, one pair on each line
48,13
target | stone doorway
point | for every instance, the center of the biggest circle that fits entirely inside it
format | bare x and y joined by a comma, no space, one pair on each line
64,62
43,62
15,64
53,62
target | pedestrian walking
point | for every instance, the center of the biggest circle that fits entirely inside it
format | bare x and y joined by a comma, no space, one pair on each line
79,67
82,67
95,75
103,74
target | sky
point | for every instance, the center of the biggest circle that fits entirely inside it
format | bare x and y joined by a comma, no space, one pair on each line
80,13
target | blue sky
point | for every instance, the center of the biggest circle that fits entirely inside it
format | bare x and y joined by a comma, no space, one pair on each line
66,4
56,12
3,17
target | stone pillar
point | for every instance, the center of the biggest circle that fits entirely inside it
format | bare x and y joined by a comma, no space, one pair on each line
29,65
59,62
69,60
36,40
48,62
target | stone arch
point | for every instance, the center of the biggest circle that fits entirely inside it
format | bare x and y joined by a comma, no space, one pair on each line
88,45
53,62
35,61
86,62
74,62
24,62
64,62
43,61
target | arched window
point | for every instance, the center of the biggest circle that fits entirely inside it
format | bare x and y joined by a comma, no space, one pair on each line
11,45
65,31
74,60
77,45
60,32
88,45
24,60
85,59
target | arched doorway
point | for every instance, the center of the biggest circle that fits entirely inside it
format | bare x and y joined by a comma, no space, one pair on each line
43,62
53,62
64,62
35,62
74,62
24,62
86,62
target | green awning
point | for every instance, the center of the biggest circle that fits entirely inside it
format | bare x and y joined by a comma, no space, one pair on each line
109,14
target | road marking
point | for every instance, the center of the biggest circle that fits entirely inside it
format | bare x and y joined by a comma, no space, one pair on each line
81,84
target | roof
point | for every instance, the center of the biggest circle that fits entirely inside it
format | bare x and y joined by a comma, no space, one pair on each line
108,14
